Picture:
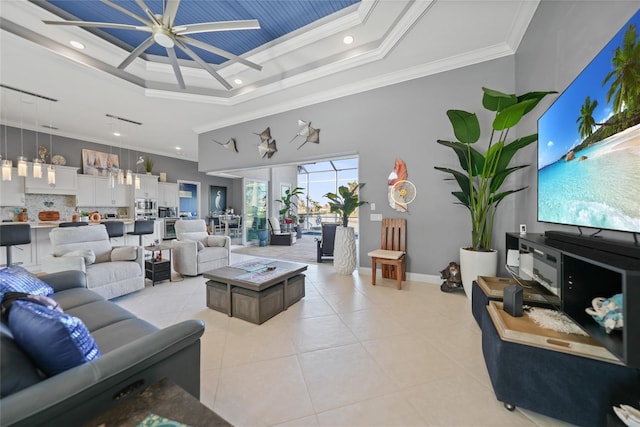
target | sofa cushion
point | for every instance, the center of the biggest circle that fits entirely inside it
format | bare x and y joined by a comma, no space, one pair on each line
215,241
55,341
94,237
99,314
16,368
124,253
111,272
17,279
118,334
70,298
88,255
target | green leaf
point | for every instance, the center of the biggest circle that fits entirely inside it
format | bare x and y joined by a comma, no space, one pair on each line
510,116
462,151
465,126
536,96
498,179
511,149
493,100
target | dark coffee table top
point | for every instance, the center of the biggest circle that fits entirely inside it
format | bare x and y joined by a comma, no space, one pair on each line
256,275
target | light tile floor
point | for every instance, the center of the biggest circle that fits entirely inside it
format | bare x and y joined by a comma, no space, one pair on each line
347,354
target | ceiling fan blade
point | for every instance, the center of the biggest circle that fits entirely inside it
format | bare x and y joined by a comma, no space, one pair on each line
126,12
100,25
169,14
176,68
207,27
148,12
136,52
203,64
219,51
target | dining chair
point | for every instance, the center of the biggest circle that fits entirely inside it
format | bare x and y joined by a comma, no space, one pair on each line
392,253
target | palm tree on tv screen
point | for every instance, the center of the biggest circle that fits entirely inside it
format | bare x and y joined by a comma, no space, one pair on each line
625,77
586,122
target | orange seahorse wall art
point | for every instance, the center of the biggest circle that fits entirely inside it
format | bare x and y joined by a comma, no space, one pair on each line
399,173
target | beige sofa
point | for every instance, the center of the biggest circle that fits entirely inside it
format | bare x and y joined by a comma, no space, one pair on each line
194,251
111,271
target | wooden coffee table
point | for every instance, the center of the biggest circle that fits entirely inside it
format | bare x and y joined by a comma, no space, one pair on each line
256,275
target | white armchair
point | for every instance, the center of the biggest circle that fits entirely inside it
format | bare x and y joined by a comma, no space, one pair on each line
195,251
111,271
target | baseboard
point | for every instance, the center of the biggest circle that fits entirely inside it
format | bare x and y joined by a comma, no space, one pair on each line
414,277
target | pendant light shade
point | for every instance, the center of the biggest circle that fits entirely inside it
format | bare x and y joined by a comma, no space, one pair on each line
6,170
120,177
22,166
37,168
129,177
137,181
51,175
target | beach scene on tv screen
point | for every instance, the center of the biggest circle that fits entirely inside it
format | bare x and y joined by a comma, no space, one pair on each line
589,142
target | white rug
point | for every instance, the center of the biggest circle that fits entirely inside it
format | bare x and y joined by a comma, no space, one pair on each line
554,320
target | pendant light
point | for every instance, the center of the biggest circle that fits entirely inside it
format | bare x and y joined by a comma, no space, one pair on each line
6,163
137,179
120,169
129,176
37,163
22,160
51,171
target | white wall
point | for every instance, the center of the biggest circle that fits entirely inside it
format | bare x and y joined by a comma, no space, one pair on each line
563,37
399,121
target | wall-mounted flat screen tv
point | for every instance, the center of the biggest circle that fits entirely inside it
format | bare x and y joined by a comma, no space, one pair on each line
589,142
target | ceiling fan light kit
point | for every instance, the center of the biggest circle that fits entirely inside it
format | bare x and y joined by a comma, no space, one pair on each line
165,34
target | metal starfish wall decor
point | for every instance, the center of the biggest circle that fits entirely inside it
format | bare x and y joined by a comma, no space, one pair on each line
267,146
229,145
310,134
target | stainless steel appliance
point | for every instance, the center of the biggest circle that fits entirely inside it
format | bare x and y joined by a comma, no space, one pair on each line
169,228
165,212
146,208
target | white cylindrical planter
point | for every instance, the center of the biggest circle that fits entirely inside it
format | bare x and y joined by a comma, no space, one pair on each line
474,264
344,251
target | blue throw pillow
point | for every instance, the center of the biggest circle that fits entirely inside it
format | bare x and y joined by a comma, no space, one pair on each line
55,341
17,279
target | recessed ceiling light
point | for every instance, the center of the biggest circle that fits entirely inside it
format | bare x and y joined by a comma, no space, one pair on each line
348,39
76,44
178,148
238,81
116,134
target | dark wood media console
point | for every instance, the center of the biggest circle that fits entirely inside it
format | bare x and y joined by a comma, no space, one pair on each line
586,273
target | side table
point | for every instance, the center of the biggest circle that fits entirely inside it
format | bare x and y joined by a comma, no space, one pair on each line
163,399
158,268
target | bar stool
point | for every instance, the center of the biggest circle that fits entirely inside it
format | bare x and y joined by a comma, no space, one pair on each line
14,234
114,228
142,227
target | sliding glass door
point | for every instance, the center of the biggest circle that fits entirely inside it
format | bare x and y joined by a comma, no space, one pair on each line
255,209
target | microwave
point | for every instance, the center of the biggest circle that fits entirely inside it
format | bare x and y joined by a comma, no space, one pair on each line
164,212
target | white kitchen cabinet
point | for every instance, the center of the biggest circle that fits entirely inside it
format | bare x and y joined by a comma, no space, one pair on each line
95,191
66,182
168,195
12,192
148,187
85,195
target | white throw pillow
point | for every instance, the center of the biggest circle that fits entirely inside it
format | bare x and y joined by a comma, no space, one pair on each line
124,253
88,255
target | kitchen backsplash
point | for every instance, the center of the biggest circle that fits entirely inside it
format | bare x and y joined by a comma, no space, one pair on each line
36,203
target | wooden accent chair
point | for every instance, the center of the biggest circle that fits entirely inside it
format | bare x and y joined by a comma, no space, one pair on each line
391,256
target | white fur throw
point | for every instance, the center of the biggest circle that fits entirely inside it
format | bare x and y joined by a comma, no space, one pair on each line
554,320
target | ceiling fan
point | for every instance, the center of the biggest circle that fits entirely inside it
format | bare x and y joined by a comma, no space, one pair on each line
163,32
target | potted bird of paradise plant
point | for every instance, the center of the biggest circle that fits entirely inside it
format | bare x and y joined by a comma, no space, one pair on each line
482,176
